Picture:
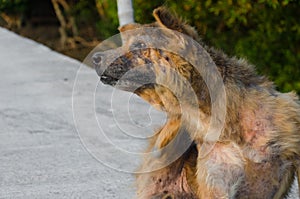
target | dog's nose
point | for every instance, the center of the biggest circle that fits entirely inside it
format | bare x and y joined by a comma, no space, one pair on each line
97,60
97,57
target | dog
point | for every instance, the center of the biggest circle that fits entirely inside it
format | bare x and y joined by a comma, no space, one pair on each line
257,152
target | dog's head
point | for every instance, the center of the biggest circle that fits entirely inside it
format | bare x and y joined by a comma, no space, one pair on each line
148,62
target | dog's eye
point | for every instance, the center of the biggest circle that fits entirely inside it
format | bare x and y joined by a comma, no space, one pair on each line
138,45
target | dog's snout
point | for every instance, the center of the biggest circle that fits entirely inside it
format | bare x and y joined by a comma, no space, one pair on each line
97,57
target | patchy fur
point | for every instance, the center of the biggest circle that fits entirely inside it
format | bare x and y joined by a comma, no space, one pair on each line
258,152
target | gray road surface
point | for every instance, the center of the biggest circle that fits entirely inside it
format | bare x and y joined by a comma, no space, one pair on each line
41,155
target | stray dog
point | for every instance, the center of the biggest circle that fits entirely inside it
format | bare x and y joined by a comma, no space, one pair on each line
257,152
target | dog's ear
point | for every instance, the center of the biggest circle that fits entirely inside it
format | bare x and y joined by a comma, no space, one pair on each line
166,19
131,26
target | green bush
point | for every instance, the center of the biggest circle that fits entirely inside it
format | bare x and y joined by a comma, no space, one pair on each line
13,6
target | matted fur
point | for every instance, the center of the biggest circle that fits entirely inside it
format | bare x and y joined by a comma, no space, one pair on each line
256,155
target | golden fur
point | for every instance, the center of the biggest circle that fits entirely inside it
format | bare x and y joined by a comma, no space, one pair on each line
258,151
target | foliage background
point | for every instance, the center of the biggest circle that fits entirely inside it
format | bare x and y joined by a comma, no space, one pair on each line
266,32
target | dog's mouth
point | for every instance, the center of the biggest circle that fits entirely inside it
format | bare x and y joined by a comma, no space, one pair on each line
106,79
131,85
131,80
